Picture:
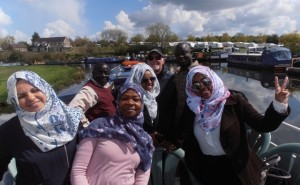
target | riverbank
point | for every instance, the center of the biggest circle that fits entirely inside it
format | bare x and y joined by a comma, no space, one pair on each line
59,77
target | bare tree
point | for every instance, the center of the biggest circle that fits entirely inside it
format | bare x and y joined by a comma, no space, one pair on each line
159,34
116,37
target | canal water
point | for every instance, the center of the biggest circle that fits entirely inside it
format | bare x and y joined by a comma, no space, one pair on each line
258,86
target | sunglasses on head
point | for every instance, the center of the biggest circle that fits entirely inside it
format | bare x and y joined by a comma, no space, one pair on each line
154,57
204,82
145,80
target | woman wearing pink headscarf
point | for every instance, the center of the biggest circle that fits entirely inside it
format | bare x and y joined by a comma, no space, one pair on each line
216,146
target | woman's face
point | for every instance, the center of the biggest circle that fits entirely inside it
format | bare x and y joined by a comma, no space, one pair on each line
130,104
148,81
202,86
30,98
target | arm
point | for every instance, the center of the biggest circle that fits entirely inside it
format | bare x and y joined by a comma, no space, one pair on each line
84,99
4,154
141,177
81,161
274,114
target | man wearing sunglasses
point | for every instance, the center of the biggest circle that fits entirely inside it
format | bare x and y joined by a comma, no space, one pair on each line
156,61
95,98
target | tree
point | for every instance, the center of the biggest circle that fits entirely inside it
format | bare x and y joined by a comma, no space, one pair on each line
79,42
291,41
137,38
6,41
225,37
191,38
159,34
116,37
34,37
272,39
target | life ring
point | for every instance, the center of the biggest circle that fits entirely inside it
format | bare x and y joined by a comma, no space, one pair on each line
131,62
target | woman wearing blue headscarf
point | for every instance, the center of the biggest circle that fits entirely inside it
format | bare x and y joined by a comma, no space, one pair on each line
42,137
116,150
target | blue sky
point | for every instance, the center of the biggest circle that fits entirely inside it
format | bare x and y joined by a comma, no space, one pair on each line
88,18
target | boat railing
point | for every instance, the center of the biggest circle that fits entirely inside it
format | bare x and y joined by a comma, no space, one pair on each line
293,127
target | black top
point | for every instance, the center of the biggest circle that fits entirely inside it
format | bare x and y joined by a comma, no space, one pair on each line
33,165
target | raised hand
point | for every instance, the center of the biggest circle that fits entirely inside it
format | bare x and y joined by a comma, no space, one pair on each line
281,93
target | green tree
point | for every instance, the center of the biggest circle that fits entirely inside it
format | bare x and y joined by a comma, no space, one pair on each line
225,37
34,37
137,38
272,39
291,41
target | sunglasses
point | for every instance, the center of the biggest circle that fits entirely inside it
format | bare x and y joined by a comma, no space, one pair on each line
154,57
145,80
204,82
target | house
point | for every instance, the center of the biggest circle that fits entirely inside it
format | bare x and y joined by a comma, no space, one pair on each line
18,47
51,44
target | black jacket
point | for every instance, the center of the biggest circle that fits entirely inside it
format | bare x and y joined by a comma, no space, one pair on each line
33,165
240,162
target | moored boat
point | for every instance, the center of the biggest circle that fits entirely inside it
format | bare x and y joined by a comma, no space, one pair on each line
294,69
276,58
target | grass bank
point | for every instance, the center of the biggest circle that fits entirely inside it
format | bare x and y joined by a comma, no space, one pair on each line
59,77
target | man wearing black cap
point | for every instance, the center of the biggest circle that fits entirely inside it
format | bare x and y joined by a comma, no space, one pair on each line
156,61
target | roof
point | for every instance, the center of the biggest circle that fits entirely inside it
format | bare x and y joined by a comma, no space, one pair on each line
51,39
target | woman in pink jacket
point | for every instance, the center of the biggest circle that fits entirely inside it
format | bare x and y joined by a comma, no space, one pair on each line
116,150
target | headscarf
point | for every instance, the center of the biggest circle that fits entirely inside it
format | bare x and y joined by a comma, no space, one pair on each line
208,111
136,76
54,125
129,130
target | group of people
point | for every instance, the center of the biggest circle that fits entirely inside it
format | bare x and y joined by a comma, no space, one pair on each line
101,139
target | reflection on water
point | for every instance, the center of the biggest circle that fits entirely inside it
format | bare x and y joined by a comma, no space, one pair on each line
258,86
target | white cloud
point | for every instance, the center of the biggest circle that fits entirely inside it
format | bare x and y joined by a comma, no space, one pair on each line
4,18
58,28
68,10
20,36
3,33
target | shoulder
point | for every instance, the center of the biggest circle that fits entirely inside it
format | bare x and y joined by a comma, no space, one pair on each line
236,97
10,127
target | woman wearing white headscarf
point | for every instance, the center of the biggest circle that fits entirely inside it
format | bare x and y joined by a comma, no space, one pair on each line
216,146
144,76
42,137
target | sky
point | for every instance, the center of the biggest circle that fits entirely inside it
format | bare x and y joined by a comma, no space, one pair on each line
88,18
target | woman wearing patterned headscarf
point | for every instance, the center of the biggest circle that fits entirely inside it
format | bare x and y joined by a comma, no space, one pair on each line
116,150
42,137
216,147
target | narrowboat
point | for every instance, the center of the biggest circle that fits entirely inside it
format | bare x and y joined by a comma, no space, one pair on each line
275,58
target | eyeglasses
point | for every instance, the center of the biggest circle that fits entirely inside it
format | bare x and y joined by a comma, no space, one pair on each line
204,82
145,80
154,57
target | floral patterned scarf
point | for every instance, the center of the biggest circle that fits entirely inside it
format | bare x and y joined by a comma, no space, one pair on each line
53,126
208,111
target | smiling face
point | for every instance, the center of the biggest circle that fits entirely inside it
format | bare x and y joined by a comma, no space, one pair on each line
156,61
183,55
30,98
148,81
101,73
130,104
202,86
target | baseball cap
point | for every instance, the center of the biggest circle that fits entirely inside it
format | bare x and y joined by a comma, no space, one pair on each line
157,51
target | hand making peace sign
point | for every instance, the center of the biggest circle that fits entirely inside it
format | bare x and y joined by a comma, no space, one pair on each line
281,93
